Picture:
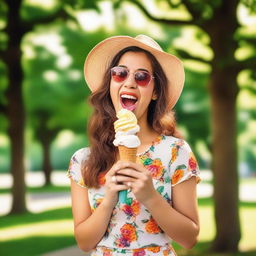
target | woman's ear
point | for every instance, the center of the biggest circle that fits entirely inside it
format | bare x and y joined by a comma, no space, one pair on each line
154,96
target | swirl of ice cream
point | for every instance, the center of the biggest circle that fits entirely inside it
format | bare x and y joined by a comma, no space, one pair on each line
126,128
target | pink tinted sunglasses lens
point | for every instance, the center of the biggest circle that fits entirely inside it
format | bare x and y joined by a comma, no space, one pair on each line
120,74
142,78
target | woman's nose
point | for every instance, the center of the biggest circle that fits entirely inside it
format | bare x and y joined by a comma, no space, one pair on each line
130,82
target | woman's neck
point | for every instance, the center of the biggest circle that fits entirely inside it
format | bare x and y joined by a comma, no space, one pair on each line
146,134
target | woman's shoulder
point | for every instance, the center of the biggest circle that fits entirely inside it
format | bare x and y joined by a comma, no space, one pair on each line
75,166
179,144
80,155
183,163
170,140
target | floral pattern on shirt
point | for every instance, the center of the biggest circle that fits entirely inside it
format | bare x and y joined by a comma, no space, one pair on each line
128,234
132,209
151,226
154,250
132,228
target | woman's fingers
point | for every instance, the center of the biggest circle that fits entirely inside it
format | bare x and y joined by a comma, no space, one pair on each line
119,187
122,179
114,179
130,173
124,164
110,176
112,171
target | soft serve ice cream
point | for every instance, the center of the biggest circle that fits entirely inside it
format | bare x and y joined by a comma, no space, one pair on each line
126,128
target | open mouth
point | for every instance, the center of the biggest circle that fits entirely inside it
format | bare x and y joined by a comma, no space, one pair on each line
128,101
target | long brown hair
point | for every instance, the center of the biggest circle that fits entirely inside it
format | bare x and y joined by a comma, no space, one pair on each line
101,132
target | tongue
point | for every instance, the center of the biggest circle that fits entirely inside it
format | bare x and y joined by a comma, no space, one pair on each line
128,102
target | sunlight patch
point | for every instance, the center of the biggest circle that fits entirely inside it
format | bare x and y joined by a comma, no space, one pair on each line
45,228
50,75
65,138
46,4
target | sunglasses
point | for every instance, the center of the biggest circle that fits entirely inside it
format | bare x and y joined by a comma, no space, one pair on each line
120,74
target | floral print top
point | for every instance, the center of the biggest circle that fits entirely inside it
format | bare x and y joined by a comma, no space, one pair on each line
170,161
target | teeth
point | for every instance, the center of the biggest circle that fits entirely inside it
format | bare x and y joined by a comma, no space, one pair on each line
128,97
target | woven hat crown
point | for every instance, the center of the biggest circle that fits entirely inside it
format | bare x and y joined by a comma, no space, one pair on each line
148,41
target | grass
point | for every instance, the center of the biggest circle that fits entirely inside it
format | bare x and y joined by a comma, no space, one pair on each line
202,249
242,181
41,189
35,234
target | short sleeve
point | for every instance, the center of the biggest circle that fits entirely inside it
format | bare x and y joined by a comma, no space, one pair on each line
74,170
183,164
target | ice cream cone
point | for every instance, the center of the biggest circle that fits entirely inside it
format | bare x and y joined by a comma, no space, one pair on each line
127,154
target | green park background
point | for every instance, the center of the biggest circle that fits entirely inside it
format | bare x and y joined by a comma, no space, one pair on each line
44,108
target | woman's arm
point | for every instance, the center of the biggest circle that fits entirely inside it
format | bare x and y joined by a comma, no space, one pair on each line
180,221
89,227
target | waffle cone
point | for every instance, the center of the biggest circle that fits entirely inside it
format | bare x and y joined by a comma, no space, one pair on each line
127,154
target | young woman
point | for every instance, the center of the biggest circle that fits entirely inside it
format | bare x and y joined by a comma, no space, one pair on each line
161,206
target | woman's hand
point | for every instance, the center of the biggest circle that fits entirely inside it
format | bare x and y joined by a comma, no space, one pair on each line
137,178
112,187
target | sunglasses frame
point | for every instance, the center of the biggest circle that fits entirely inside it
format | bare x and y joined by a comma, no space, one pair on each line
134,74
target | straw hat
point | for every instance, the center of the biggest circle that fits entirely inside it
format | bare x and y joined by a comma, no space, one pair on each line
100,57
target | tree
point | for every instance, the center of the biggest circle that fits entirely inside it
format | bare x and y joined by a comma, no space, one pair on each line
21,18
14,109
57,102
219,21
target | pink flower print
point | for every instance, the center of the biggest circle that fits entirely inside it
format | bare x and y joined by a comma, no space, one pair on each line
192,162
122,242
138,252
133,209
128,210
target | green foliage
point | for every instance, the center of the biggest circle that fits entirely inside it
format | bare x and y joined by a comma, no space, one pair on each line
3,13
61,155
3,82
55,90
3,41
3,85
250,4
192,111
4,154
81,4
33,11
3,36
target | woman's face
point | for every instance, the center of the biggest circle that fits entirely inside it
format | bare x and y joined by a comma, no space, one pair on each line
128,94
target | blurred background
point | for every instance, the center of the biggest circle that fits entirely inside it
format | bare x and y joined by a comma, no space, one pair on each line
44,111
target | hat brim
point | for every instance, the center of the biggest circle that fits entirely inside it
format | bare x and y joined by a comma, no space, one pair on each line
100,57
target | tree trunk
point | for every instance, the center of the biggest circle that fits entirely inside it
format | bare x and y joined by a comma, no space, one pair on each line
15,107
47,167
223,90
224,136
45,136
225,162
